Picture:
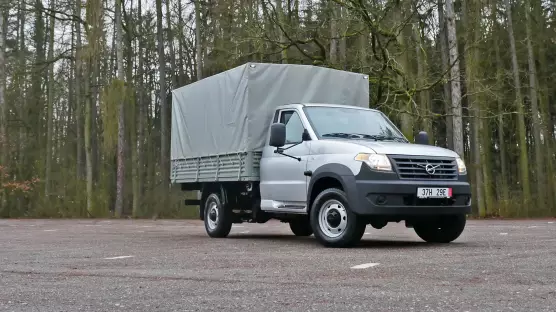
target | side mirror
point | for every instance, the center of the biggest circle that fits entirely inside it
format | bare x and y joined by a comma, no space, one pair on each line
277,135
422,138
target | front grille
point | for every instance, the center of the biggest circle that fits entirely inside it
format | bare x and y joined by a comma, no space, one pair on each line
415,167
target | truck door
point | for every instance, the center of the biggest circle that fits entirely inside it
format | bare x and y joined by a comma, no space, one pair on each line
283,183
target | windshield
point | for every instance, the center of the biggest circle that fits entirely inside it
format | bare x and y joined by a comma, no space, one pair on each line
345,122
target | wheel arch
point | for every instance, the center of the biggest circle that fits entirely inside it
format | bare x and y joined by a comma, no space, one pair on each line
331,175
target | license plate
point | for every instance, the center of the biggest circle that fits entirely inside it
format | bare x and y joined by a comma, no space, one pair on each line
434,192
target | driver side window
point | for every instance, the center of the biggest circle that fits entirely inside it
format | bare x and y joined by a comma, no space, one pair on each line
294,126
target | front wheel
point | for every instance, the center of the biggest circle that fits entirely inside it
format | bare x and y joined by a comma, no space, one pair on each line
218,219
333,223
443,229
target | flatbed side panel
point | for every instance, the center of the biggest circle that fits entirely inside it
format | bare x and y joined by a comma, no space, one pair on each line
217,168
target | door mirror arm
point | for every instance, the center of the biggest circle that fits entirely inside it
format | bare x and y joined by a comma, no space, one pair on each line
304,137
280,151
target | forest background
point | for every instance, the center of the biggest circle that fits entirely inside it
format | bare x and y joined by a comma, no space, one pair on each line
85,90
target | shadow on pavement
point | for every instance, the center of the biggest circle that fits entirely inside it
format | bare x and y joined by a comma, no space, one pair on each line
374,243
364,243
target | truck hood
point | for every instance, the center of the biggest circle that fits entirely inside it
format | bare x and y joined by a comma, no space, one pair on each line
397,148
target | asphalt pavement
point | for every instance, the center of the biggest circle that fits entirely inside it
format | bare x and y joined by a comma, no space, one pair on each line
162,265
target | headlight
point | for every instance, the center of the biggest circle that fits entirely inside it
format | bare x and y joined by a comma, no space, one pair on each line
375,161
461,166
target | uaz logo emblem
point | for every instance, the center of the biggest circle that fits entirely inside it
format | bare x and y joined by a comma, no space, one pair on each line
429,168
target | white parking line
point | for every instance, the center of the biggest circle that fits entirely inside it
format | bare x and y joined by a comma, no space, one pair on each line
50,230
119,257
244,232
503,233
365,265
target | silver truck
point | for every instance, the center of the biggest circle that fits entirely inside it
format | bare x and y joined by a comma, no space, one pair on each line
299,144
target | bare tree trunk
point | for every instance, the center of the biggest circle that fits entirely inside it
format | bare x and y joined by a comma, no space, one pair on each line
332,8
181,53
455,78
89,158
424,95
405,105
118,207
78,97
470,14
446,86
163,105
198,40
22,94
549,126
343,41
32,115
548,129
521,131
500,124
539,166
363,42
140,132
281,22
94,18
50,105
3,111
171,46
3,105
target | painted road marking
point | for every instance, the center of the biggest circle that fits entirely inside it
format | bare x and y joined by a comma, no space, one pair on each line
244,232
367,233
50,230
365,265
119,257
503,233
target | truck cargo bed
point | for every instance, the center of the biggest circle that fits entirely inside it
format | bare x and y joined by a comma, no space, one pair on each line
220,124
221,167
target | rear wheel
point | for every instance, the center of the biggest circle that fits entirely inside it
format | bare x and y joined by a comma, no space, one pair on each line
218,219
333,223
301,227
443,229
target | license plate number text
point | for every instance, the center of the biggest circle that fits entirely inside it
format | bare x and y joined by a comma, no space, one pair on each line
434,192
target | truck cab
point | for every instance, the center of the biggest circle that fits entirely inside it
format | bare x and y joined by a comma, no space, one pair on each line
336,168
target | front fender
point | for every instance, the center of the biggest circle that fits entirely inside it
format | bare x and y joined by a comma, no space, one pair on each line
339,172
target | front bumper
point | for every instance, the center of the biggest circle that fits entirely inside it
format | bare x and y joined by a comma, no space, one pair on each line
399,198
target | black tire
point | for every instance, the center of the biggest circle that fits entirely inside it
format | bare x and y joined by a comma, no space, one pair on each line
336,214
443,229
218,219
301,227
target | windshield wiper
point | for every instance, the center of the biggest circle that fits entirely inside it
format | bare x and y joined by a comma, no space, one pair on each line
382,137
343,135
363,136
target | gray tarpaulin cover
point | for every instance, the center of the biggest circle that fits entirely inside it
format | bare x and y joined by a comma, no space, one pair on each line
231,111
